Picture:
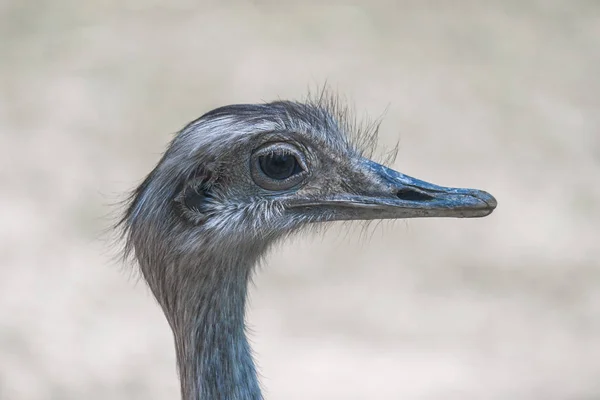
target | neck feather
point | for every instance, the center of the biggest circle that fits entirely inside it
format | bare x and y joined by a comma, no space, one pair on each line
205,306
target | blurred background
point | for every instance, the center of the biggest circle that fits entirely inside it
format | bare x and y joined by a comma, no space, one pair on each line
498,95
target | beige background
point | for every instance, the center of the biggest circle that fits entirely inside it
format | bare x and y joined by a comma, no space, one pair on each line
503,96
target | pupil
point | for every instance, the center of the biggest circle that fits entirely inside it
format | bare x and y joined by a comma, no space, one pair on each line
279,166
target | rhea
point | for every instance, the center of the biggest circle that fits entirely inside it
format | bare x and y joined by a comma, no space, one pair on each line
232,183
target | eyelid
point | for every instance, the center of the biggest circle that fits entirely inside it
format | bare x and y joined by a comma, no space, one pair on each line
277,152
282,148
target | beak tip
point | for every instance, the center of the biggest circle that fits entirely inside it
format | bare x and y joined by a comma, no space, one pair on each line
488,199
488,203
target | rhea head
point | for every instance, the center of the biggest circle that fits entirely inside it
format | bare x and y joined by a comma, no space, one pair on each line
230,184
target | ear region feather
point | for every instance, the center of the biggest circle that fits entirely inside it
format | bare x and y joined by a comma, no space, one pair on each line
194,196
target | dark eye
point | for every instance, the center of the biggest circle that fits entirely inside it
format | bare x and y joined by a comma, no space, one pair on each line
279,166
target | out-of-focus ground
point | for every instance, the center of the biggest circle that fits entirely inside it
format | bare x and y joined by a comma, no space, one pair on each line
498,95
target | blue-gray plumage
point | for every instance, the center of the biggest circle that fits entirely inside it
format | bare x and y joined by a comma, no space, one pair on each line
232,183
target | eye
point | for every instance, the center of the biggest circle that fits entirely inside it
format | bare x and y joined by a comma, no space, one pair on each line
278,166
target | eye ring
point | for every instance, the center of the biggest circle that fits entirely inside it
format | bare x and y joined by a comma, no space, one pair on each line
278,166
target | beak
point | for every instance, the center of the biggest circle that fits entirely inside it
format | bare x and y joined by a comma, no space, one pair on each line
382,193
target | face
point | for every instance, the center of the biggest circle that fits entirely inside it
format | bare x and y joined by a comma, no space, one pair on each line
286,179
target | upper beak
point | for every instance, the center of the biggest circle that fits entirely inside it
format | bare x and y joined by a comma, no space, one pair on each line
382,193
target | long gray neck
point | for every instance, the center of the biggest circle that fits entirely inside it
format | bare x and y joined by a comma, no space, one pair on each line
205,306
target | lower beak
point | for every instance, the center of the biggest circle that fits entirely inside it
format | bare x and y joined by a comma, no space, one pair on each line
393,195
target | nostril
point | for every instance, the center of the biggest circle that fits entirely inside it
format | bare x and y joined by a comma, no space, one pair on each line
412,195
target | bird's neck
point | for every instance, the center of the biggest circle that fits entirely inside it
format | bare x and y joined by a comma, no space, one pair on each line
207,318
